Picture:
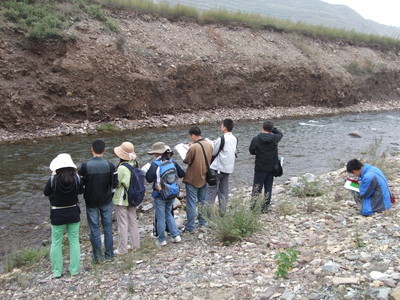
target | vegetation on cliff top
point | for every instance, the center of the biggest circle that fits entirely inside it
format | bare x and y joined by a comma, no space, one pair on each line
44,19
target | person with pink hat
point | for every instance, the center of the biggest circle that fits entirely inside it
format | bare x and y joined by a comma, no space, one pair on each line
62,189
126,214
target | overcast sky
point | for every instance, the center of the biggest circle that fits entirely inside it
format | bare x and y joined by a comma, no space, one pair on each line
382,11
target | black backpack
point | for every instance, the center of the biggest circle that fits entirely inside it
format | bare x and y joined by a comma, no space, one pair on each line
136,188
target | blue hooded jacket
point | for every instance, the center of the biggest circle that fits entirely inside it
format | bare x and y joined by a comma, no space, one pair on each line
374,191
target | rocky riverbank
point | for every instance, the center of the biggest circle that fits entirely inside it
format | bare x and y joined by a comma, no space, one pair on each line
193,117
342,255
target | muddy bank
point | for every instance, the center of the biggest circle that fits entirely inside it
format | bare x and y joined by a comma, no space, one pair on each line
189,118
155,67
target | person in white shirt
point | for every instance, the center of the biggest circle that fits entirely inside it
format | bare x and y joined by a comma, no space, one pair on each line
223,162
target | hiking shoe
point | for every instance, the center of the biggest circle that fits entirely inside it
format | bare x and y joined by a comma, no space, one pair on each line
177,239
163,243
118,252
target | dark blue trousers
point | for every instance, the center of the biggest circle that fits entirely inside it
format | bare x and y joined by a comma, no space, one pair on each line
263,180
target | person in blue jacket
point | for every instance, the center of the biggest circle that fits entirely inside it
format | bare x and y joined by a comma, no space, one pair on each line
374,189
163,207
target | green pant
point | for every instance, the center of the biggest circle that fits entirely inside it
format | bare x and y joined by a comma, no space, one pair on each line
57,234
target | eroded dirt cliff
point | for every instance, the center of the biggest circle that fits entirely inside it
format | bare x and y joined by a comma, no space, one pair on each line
156,66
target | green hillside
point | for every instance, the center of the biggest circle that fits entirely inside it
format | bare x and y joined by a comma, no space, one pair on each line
309,11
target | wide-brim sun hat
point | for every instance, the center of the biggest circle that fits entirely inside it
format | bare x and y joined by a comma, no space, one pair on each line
169,150
125,151
158,148
62,160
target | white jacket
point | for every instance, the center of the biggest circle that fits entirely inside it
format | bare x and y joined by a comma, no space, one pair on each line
225,161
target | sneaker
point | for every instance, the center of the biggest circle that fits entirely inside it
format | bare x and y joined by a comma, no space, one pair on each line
118,252
163,243
177,239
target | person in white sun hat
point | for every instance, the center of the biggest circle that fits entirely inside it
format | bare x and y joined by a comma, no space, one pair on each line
62,189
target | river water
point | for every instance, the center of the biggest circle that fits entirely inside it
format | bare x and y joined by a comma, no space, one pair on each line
315,145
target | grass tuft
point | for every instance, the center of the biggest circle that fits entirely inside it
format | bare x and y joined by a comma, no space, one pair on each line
238,222
107,127
286,208
25,258
307,188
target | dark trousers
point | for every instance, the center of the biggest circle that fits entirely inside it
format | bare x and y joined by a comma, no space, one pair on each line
263,180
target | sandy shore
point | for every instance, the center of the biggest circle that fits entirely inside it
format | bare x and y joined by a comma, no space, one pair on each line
189,118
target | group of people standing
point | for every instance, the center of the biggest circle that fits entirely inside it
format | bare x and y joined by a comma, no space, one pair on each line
105,187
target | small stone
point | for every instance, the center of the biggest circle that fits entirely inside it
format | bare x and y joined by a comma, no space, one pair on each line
330,267
316,297
355,134
389,282
163,279
395,294
375,275
287,295
377,284
267,293
342,280
384,293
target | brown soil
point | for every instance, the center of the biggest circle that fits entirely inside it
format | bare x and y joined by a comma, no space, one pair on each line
155,66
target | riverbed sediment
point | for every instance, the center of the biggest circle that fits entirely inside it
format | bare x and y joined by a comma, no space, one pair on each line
342,255
193,117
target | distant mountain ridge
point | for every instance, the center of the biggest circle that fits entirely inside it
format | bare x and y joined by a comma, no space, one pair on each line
309,11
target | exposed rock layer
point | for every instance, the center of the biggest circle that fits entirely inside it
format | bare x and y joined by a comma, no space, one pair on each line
154,66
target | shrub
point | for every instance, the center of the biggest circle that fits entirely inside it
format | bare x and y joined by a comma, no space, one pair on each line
95,12
111,25
285,261
46,19
39,19
236,223
307,188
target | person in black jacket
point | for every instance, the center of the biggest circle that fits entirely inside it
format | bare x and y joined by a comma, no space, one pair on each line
100,178
62,189
265,147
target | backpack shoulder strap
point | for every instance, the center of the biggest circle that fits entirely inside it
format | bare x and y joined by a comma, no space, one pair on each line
222,144
157,162
53,183
204,153
128,166
112,167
